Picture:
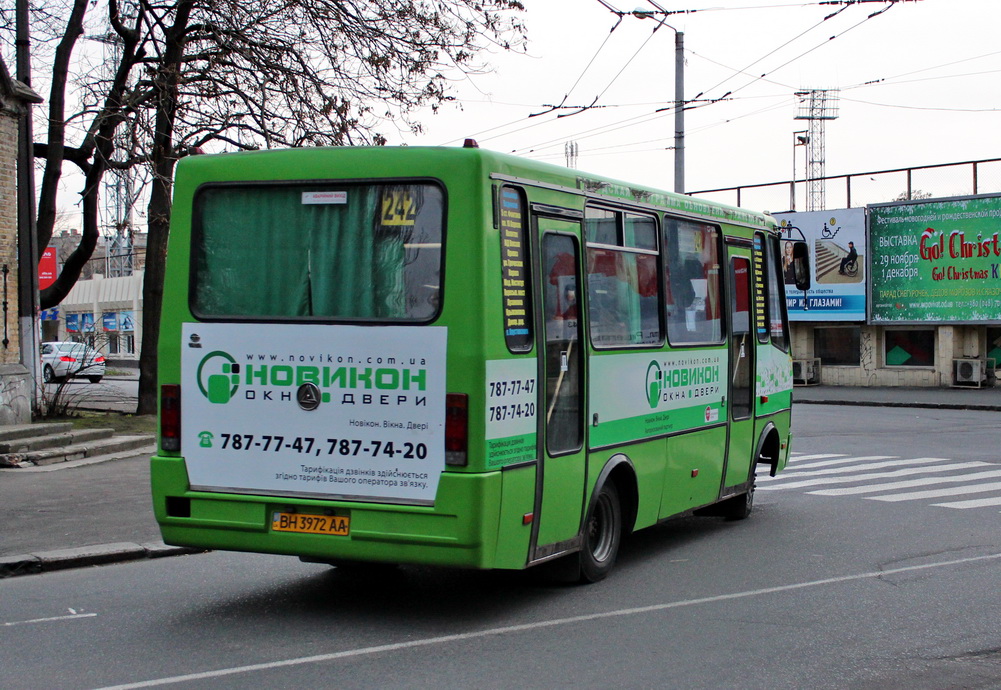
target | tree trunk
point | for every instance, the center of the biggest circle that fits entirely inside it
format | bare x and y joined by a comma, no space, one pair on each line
166,82
156,262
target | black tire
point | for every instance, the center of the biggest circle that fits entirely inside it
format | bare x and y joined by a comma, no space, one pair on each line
94,379
602,535
738,507
48,375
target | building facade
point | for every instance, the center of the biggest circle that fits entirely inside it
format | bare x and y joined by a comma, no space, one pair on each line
904,293
16,394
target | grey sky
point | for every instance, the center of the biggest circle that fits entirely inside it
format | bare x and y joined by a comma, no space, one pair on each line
919,85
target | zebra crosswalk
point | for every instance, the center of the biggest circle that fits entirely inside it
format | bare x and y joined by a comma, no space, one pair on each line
941,482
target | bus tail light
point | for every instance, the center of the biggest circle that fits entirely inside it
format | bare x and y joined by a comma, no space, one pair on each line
456,429
170,417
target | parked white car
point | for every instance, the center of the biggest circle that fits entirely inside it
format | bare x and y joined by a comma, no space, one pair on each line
60,361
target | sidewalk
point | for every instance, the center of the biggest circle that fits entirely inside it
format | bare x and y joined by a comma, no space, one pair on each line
86,513
77,513
940,398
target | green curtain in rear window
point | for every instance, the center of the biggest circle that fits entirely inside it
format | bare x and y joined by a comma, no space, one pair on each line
264,252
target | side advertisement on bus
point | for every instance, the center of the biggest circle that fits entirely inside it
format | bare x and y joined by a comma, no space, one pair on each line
656,393
511,411
322,410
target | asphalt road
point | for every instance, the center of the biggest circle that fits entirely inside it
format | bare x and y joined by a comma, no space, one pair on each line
820,590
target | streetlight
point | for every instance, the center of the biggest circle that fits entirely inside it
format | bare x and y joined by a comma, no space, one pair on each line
679,93
799,139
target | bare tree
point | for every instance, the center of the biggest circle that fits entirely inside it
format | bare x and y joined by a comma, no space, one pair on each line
196,75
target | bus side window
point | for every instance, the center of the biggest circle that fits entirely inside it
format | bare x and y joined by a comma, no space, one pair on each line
778,321
693,281
623,284
515,275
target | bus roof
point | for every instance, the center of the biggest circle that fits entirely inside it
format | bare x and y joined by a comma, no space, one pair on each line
372,161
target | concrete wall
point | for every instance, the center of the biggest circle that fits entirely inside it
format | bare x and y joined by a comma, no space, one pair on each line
951,342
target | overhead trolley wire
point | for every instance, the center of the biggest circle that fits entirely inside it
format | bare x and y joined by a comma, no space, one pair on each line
587,67
816,47
643,119
769,54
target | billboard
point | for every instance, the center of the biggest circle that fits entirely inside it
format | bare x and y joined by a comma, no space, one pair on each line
48,268
837,264
936,261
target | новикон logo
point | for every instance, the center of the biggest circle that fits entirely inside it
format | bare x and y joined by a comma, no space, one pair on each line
654,384
218,377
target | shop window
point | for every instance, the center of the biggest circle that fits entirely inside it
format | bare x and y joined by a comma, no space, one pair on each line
838,346
994,344
909,348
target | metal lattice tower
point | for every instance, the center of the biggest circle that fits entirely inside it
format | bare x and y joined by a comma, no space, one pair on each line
817,106
571,150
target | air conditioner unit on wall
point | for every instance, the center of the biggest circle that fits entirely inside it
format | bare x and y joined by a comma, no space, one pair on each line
806,372
968,373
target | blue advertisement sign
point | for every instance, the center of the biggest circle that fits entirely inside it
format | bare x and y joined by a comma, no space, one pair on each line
49,314
72,323
836,240
87,323
126,321
109,321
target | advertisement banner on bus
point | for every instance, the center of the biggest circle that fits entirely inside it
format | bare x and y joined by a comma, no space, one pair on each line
292,409
936,261
656,394
837,262
511,411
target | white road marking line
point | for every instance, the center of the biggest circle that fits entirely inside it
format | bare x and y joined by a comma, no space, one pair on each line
906,484
843,461
866,466
938,493
72,616
874,475
819,456
973,503
539,625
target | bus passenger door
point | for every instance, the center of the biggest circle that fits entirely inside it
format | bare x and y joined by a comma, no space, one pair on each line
560,483
741,374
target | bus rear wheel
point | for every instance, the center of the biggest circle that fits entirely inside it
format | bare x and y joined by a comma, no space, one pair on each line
602,535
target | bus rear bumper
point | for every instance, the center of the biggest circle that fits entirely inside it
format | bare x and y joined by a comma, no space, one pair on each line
459,530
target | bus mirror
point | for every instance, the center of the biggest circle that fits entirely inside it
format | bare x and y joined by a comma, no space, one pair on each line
801,265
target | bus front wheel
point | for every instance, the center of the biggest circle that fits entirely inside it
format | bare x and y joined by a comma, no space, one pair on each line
602,535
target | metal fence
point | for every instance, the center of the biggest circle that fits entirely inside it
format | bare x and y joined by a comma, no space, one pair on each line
860,189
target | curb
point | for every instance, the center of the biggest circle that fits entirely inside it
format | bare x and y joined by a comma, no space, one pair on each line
98,554
928,406
27,466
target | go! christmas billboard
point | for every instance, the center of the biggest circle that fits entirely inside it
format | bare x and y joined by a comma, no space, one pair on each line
936,261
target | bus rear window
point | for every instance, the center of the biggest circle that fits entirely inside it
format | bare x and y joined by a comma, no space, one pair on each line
332,251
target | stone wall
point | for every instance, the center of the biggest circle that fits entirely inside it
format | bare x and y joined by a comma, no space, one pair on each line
15,380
